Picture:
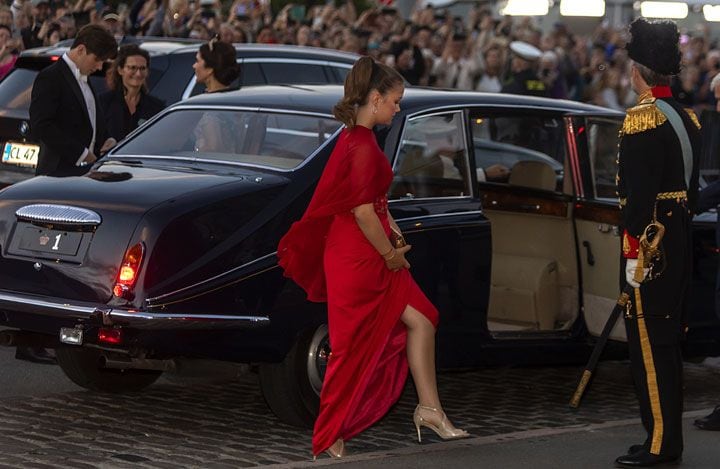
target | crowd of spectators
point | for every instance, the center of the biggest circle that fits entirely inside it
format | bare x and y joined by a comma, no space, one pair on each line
430,48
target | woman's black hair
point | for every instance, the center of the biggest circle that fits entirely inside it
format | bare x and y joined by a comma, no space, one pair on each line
221,57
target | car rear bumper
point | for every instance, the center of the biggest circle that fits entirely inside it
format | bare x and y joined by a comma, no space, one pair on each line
13,305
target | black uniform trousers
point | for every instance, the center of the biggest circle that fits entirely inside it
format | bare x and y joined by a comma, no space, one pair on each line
657,370
655,326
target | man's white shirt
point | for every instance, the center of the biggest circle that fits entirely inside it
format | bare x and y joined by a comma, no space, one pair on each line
89,102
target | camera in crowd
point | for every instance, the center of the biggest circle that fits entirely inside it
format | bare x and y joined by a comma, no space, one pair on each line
207,9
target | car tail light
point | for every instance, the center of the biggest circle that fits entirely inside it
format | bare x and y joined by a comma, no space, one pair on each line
108,335
129,271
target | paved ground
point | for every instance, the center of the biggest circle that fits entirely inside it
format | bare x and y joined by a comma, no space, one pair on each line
227,424
588,447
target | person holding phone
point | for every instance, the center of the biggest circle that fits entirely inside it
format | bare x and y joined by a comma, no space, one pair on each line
8,50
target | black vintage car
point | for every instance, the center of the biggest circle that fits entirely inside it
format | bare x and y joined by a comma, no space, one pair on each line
167,249
171,79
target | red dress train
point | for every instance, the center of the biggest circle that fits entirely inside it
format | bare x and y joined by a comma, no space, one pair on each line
327,254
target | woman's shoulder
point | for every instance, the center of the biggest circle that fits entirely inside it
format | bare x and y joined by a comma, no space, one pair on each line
360,136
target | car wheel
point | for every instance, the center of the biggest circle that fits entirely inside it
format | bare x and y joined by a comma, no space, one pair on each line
292,387
83,368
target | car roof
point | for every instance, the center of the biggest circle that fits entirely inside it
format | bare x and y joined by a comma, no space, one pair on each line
322,98
283,50
162,46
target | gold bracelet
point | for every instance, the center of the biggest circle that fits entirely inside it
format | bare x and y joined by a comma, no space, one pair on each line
394,251
389,251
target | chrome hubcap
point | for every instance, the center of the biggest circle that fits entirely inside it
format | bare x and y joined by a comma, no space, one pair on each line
318,354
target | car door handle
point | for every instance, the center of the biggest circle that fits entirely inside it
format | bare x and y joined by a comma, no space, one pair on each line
590,257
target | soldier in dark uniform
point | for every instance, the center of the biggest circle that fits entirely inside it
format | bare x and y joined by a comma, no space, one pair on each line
657,184
524,79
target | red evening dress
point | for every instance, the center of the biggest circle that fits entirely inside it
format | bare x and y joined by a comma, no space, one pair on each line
327,254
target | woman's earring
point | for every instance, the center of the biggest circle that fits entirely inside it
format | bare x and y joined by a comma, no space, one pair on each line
374,109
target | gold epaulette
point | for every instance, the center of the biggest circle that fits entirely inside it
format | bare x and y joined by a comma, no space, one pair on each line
693,117
644,116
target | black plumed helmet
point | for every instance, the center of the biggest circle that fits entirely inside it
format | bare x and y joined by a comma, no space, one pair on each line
655,44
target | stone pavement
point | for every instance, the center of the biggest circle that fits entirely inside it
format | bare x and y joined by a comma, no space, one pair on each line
227,424
588,447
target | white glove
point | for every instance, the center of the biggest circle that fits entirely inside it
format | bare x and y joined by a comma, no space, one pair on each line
630,267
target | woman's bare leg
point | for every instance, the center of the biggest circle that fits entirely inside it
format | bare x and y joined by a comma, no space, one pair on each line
421,356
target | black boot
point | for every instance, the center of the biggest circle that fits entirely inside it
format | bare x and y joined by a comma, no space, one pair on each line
711,422
644,459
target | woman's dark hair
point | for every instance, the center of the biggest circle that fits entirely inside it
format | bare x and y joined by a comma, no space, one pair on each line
128,50
365,76
220,56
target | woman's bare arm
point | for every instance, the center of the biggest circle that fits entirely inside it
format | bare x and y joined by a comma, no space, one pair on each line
371,227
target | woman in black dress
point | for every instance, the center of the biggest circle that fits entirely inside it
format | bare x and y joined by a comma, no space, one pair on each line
127,104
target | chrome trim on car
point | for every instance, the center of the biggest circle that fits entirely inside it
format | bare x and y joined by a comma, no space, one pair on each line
31,303
453,109
53,213
105,315
148,321
327,63
157,301
440,215
251,109
514,107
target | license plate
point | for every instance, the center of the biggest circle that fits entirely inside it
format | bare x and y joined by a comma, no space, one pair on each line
50,241
21,154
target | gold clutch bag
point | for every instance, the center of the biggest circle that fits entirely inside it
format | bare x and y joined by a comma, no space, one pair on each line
398,240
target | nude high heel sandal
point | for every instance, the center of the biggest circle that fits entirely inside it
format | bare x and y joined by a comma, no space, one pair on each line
443,427
336,450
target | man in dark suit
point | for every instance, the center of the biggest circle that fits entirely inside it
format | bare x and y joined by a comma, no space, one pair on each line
64,114
657,184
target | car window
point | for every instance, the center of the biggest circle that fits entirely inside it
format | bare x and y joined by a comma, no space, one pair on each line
432,158
16,88
297,73
251,74
523,150
281,141
602,136
340,73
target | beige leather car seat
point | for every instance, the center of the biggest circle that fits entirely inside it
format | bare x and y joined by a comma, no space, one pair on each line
535,174
524,292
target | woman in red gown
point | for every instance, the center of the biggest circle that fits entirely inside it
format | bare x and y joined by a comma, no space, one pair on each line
341,252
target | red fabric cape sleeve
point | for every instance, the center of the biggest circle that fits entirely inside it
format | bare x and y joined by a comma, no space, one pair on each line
352,177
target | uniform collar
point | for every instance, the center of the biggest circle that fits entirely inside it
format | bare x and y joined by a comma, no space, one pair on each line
661,92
